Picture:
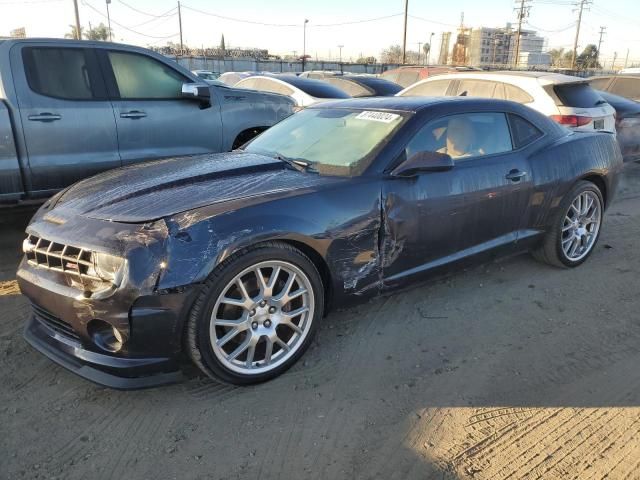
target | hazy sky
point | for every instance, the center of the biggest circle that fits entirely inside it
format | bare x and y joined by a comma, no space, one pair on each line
554,19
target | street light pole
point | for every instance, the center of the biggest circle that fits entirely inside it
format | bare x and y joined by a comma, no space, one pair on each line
109,20
304,42
404,41
340,47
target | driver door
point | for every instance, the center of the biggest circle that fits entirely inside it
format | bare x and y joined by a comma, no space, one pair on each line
153,120
435,218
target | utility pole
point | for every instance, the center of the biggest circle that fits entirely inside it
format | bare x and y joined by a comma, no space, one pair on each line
180,24
575,42
523,12
430,48
615,57
602,32
304,42
78,31
109,20
626,59
404,41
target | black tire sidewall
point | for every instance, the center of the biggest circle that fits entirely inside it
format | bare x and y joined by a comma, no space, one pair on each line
229,270
568,200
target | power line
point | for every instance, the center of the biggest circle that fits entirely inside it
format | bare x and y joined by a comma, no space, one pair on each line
561,29
433,21
86,4
142,11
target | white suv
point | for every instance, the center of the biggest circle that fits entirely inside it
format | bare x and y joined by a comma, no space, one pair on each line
568,100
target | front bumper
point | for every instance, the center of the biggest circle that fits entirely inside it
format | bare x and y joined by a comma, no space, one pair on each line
114,372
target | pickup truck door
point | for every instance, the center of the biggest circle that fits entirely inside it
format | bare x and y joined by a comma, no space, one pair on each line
68,126
153,119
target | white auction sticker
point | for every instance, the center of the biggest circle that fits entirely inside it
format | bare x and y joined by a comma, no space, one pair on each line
383,117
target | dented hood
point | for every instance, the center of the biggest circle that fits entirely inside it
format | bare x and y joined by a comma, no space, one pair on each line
149,191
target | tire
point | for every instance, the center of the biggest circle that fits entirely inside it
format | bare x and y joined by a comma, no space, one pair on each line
565,231
260,315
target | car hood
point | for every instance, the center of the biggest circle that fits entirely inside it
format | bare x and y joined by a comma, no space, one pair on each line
149,191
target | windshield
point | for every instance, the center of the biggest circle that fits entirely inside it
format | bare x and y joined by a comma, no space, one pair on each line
333,141
208,75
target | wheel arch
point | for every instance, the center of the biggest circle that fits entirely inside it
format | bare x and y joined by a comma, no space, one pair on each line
599,182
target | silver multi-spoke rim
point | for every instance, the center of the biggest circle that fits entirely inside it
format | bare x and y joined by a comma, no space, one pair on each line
581,225
262,317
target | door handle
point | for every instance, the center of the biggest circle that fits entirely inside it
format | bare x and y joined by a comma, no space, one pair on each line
515,175
44,117
133,114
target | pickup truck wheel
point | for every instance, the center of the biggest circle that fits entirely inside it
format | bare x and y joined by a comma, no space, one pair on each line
246,135
575,229
256,315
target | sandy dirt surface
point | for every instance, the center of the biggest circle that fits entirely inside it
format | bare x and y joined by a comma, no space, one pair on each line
511,370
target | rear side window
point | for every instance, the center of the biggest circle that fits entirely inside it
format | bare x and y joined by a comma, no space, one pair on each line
523,131
142,77
476,88
274,87
600,83
516,94
436,88
579,95
408,77
626,87
391,75
352,88
65,73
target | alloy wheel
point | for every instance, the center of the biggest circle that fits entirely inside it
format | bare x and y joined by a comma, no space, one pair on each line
581,225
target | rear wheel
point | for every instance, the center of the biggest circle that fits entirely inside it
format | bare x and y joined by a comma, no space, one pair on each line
256,315
576,228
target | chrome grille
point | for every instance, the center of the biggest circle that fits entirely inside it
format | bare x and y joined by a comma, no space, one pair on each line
54,322
59,257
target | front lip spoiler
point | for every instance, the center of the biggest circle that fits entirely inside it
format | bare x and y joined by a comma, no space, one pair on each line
74,358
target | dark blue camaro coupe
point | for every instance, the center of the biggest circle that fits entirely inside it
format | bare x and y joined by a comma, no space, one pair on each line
232,260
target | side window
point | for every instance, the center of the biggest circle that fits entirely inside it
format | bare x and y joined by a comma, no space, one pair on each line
436,88
464,136
523,131
516,94
65,73
274,87
352,88
141,77
599,83
408,77
626,87
250,83
476,88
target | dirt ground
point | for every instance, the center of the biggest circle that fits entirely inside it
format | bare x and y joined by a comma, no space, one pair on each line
511,370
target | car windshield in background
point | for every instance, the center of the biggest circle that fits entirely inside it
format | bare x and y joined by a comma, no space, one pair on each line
579,95
334,141
315,88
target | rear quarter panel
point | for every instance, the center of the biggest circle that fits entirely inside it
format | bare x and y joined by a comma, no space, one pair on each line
559,166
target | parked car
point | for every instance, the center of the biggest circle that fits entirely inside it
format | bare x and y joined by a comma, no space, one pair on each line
233,259
357,86
304,91
568,100
70,109
232,78
627,86
408,75
322,74
627,125
206,75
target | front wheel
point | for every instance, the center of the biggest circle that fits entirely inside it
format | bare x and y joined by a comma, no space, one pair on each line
256,314
575,229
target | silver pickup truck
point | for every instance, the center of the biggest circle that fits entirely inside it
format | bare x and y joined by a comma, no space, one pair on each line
70,109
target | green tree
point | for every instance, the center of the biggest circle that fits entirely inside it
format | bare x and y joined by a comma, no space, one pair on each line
392,54
73,32
101,32
588,58
222,46
366,60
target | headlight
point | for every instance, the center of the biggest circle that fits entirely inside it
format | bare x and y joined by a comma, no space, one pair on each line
105,266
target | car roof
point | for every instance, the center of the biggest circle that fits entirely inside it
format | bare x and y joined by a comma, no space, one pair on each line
543,78
411,104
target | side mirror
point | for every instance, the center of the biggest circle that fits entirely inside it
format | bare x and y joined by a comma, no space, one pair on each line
197,91
424,162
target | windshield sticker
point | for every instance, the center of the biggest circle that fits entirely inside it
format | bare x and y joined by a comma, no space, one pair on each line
383,117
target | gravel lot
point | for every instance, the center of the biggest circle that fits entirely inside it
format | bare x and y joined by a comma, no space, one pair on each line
509,370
